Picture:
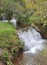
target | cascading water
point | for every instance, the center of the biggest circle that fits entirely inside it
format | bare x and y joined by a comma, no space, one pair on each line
32,40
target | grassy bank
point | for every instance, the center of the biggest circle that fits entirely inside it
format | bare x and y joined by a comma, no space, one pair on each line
5,26
9,43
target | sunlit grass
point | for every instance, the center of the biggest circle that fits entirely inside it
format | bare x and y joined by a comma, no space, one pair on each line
5,26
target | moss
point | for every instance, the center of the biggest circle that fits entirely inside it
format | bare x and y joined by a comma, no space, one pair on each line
44,52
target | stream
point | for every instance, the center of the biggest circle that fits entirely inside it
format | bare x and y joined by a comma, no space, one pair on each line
35,48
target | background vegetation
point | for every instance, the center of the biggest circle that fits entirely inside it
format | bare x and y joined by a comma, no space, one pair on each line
23,10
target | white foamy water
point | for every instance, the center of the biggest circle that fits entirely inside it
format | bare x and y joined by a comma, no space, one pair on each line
32,40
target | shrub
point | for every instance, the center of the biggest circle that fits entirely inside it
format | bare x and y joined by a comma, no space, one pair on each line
33,19
10,44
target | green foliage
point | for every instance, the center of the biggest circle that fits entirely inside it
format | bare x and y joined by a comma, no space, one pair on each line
9,43
9,14
28,11
24,8
33,19
6,56
9,63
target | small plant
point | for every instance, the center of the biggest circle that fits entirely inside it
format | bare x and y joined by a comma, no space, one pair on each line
6,56
9,63
33,19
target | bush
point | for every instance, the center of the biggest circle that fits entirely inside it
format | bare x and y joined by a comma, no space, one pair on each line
10,44
33,19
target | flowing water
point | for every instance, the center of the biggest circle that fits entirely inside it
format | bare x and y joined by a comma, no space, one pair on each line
34,44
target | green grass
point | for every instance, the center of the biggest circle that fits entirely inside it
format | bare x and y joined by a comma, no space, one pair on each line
5,26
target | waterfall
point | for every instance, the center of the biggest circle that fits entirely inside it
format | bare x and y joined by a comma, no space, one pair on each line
32,40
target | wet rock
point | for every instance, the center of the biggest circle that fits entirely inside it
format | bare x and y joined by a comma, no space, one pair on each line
46,36
34,26
20,50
